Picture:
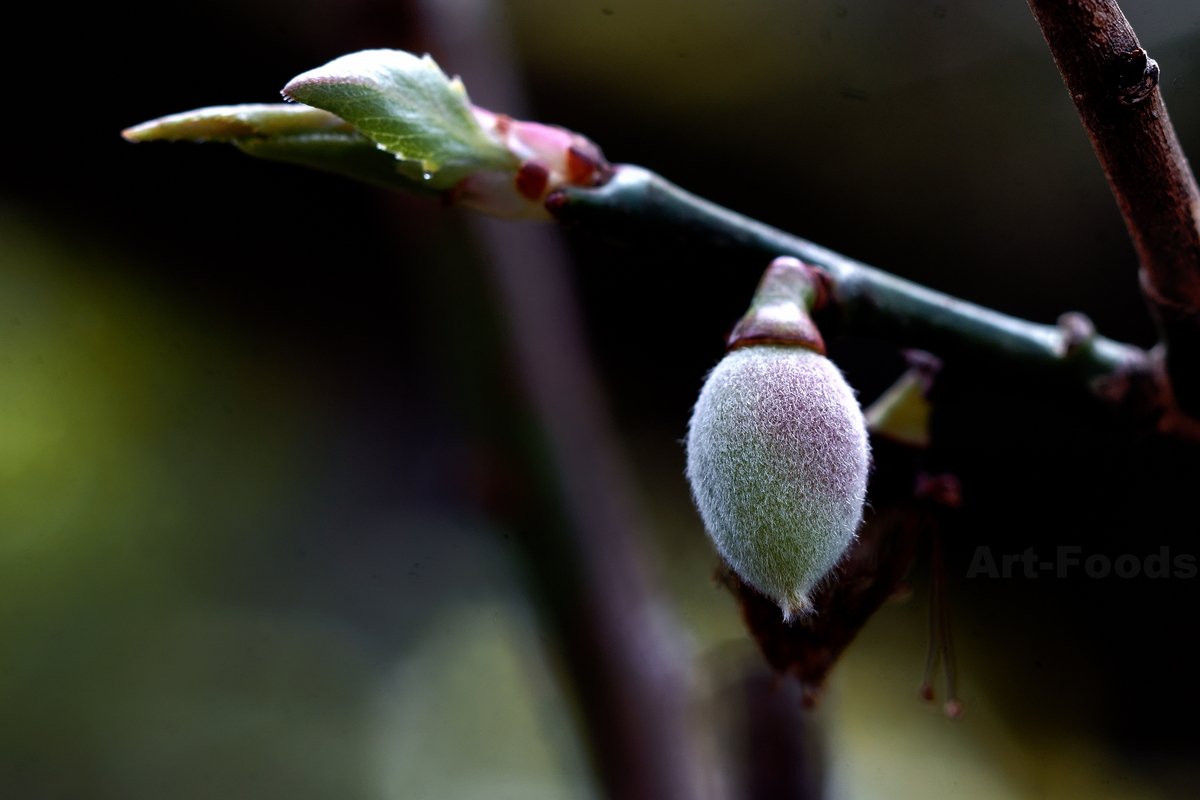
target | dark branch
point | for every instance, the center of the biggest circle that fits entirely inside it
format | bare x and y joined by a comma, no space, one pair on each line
1114,85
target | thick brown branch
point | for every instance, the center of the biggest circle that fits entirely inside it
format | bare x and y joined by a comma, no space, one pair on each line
1114,85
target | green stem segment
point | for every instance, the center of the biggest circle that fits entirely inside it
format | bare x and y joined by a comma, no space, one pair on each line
640,206
779,312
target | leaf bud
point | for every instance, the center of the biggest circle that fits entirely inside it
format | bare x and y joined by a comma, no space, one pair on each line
549,158
397,120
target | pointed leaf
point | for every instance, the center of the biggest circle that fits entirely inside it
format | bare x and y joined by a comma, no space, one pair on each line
286,132
350,155
410,108
228,123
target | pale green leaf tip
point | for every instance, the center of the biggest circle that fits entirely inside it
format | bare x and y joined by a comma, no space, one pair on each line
367,68
410,107
231,123
902,413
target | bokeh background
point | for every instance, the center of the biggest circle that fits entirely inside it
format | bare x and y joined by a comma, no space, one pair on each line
249,537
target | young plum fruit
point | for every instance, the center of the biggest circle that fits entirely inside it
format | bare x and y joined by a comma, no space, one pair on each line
777,456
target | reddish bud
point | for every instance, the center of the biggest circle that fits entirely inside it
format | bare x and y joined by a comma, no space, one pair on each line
531,179
550,157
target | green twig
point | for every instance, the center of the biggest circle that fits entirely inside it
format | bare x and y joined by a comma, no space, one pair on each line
549,169
638,205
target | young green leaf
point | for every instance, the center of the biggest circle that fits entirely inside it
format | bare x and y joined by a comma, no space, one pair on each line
350,155
232,123
409,108
401,124
287,132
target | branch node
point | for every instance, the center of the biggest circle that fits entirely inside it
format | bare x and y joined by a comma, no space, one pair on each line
1077,330
1134,76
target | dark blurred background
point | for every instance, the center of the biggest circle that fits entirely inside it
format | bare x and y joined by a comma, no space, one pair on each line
248,540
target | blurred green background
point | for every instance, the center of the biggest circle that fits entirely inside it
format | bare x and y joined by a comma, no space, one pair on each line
248,540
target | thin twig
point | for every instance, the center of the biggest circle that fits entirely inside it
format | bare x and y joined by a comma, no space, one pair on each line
1114,85
639,206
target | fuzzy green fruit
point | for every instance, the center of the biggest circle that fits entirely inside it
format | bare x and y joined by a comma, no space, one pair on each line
777,456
